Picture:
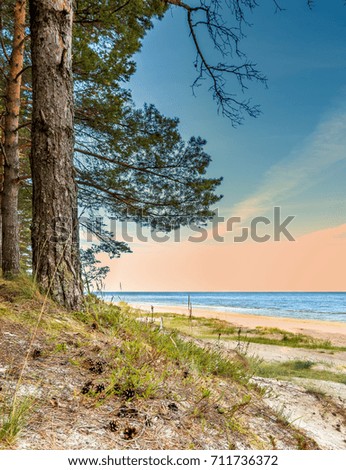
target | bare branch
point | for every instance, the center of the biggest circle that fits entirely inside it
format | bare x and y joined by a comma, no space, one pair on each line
26,88
25,124
279,8
21,72
225,37
23,178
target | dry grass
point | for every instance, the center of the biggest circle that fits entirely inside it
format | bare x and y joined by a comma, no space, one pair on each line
101,379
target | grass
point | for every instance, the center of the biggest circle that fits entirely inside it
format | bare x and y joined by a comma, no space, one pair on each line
21,289
291,340
315,391
289,369
139,360
202,360
214,329
133,382
140,336
208,362
144,337
13,418
132,368
60,347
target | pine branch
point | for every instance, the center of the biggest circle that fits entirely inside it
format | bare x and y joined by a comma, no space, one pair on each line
127,165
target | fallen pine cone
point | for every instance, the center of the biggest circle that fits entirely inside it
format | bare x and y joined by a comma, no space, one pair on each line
86,387
113,426
129,433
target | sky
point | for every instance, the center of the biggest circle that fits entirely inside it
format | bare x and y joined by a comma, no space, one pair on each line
293,157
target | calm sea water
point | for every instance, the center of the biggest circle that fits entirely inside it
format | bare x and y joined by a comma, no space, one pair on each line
309,305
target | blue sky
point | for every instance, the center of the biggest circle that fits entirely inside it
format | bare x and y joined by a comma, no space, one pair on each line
292,156
303,55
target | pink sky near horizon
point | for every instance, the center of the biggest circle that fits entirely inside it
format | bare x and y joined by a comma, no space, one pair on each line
314,262
293,157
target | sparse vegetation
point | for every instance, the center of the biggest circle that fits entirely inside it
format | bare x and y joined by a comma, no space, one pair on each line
140,362
14,415
316,392
289,369
212,329
150,378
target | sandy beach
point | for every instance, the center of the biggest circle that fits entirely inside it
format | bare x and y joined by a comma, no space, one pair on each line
333,331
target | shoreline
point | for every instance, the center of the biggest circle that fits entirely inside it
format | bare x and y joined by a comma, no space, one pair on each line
320,329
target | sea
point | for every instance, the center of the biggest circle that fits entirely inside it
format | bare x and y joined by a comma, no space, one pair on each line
327,306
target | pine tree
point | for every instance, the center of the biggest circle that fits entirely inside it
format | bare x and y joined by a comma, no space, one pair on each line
10,144
115,121
55,229
134,162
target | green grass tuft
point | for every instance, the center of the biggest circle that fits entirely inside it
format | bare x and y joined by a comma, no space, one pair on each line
13,417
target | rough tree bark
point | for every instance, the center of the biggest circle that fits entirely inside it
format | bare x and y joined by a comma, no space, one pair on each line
10,185
1,186
55,247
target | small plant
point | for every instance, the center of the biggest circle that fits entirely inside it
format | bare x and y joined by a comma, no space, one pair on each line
302,443
316,392
272,442
242,343
13,417
129,383
244,402
60,347
302,365
235,425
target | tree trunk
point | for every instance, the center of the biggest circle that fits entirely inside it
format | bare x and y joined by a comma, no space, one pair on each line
1,186
10,186
55,240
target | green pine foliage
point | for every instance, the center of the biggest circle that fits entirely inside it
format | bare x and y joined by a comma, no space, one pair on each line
130,163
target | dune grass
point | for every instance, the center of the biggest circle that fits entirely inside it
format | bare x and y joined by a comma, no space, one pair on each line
14,415
215,329
142,355
289,369
122,320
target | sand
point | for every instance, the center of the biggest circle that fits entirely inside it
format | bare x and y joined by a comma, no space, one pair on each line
316,406
325,330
